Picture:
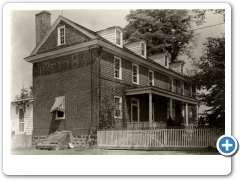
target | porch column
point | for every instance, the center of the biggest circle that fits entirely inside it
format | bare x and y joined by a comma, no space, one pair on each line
186,114
197,114
150,109
171,108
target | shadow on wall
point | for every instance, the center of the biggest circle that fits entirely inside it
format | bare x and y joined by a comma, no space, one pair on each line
56,125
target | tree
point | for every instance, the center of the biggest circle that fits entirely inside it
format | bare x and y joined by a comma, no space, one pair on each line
162,30
209,75
25,93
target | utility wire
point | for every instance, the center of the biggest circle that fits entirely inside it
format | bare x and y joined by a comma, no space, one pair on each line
206,27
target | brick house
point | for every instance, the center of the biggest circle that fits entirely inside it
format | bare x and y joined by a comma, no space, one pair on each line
78,74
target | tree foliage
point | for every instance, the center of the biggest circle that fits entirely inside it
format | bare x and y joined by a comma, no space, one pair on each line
209,75
25,93
162,30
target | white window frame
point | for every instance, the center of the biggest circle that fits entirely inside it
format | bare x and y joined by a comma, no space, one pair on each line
120,67
120,109
59,118
134,75
145,49
59,37
138,108
150,71
171,85
182,88
121,44
166,60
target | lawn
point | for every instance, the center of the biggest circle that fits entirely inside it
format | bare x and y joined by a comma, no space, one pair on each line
97,151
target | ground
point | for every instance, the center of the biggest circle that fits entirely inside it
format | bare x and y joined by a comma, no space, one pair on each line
97,151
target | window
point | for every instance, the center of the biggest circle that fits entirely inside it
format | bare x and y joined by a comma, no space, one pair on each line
21,120
166,61
59,107
170,84
60,115
190,91
117,68
182,88
135,112
143,49
150,78
135,74
118,107
181,68
118,37
61,35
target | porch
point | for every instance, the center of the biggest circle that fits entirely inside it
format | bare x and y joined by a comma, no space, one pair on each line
151,107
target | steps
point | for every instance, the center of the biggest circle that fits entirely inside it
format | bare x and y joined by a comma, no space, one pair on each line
55,141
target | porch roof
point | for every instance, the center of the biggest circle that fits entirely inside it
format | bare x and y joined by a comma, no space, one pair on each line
160,92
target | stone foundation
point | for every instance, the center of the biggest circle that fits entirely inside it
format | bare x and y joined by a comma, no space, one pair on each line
77,141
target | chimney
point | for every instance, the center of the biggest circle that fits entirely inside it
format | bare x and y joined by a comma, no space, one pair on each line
43,24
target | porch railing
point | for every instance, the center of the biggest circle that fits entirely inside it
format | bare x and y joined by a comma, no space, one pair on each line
159,138
145,125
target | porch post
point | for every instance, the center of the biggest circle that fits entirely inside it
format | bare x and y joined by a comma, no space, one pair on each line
171,108
186,114
150,109
197,108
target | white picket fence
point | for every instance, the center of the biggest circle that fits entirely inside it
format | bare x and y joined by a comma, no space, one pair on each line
159,138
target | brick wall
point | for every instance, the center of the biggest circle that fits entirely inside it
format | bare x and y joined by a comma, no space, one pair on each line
68,76
111,87
72,37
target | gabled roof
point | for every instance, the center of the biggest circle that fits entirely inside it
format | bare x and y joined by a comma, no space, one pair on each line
82,29
92,35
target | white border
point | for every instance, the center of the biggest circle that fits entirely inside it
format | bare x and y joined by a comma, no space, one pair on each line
116,165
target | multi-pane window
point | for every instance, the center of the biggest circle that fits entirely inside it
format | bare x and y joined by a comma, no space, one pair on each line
182,88
118,37
143,49
135,74
117,68
61,35
150,78
170,84
118,107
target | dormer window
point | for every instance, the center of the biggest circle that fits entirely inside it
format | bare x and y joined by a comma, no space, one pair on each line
118,37
61,35
143,49
166,61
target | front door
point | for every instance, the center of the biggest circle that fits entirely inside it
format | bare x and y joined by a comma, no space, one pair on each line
135,110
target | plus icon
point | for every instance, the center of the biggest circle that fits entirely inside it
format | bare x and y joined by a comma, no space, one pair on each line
227,145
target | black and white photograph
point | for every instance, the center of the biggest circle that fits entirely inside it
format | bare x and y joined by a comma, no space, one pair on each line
130,81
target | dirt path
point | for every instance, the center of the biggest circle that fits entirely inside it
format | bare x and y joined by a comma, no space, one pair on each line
96,151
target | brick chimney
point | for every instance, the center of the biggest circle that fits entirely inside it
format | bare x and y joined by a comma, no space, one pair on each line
43,24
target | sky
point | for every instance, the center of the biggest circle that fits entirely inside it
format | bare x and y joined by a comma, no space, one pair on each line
23,39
